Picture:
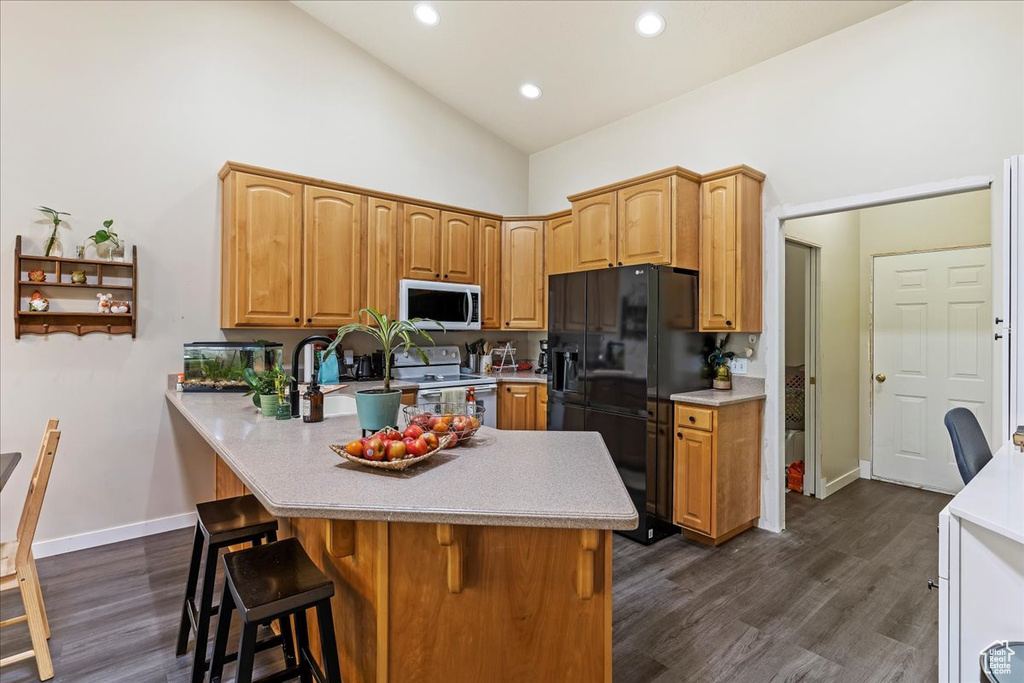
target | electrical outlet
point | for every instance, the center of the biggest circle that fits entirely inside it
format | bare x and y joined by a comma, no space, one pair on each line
738,366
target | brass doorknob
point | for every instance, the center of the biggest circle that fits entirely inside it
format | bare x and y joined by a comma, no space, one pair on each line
880,377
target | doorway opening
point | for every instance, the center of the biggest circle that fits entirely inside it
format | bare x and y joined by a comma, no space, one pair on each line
902,298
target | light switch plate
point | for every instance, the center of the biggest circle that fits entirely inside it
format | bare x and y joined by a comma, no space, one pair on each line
738,366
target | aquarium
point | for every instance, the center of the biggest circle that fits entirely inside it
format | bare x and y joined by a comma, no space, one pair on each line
219,366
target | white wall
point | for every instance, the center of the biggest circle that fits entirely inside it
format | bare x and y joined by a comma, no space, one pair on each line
838,236
127,111
925,92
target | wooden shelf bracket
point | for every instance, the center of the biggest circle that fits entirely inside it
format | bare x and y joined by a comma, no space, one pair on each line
453,538
589,539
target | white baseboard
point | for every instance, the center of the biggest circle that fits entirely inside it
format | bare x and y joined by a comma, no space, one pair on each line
92,539
839,482
865,469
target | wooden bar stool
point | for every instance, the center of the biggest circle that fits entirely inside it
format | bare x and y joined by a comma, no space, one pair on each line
221,523
18,566
276,582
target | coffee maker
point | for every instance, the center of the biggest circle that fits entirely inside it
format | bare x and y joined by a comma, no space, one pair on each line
543,360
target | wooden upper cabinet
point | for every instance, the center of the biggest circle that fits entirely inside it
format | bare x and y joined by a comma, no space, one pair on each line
421,243
644,217
261,271
693,484
332,261
594,221
559,250
458,247
523,284
382,256
730,252
489,273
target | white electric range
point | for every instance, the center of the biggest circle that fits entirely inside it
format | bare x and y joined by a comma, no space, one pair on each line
443,370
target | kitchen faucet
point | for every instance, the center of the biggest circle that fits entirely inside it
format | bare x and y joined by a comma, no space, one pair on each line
294,393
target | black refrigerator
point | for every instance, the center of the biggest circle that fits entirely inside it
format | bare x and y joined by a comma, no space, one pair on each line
620,342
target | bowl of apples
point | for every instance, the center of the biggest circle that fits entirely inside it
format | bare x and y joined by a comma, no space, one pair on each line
390,449
459,423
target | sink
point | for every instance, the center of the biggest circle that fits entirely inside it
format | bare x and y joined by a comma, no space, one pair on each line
336,405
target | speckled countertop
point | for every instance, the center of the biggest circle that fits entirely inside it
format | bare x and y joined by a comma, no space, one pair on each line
501,478
743,389
521,377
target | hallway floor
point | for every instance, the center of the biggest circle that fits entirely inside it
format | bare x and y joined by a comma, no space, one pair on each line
841,595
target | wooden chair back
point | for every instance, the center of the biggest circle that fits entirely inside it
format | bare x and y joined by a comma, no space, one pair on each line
36,493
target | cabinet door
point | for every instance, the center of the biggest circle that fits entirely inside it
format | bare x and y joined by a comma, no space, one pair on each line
693,485
421,243
489,265
594,220
718,255
542,408
332,263
645,223
264,244
458,247
558,251
523,283
382,256
517,406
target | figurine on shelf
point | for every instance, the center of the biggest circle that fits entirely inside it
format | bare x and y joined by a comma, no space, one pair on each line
78,277
36,276
104,302
120,307
38,303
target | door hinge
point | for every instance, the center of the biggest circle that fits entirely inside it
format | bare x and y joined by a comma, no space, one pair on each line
811,380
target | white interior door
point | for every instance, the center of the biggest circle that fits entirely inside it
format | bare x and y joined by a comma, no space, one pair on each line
932,351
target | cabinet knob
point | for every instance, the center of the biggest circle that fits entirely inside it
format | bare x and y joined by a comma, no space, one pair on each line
679,435
296,320
508,390
620,263
446,276
728,323
693,420
611,265
437,274
309,320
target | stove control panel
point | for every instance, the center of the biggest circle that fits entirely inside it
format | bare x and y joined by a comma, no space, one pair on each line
436,355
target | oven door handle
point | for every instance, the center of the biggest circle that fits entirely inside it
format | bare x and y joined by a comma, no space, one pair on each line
484,390
429,393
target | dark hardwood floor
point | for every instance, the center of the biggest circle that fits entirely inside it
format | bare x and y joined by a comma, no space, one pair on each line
839,596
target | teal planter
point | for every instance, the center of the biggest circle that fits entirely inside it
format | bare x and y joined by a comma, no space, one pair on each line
377,409
268,405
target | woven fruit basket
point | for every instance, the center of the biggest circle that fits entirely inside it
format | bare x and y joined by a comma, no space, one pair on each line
459,422
385,456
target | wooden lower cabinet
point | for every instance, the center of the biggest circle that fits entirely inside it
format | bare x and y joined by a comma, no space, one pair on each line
522,406
717,482
454,604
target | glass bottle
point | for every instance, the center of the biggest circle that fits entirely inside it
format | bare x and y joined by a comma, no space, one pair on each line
313,403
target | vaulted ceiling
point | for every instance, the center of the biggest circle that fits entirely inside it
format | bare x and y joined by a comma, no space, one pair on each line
585,55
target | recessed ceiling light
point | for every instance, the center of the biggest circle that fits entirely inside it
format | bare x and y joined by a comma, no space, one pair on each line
650,24
427,14
529,91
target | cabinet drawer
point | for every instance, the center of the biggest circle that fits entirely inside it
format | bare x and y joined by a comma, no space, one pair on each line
694,418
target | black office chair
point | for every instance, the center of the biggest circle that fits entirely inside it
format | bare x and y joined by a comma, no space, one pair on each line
969,444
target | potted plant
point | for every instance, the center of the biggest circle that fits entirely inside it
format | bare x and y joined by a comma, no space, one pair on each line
378,408
52,242
266,388
115,247
719,360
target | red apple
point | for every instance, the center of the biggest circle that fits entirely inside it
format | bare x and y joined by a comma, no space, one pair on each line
413,431
417,448
394,450
374,449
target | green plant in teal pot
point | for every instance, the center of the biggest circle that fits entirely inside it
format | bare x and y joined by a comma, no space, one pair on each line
378,408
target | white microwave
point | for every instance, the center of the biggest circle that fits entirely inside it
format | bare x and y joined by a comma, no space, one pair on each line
456,307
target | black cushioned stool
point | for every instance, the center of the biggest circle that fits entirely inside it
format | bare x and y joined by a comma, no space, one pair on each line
221,523
271,582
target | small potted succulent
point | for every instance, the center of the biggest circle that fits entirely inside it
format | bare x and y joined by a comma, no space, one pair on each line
266,388
719,361
53,246
378,408
115,247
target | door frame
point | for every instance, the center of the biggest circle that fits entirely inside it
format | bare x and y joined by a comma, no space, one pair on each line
871,350
773,454
812,363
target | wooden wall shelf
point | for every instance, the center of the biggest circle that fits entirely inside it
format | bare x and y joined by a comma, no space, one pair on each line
74,322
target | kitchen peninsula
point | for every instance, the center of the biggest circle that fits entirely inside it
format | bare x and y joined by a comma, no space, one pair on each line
488,561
